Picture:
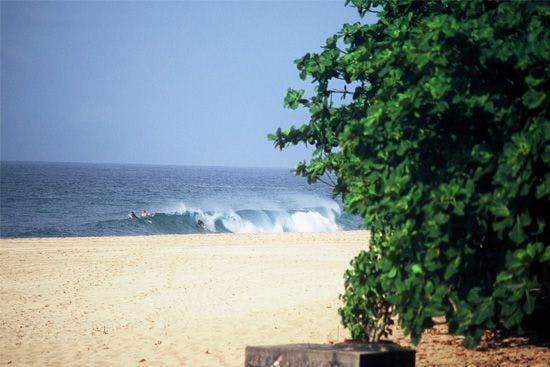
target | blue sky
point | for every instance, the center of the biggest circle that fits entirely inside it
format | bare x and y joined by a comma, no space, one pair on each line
187,83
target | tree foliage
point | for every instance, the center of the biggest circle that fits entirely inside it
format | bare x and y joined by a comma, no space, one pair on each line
435,122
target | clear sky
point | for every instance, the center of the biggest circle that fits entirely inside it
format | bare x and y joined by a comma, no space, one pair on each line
187,83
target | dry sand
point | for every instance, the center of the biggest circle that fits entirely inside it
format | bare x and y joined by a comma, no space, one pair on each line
181,300
192,300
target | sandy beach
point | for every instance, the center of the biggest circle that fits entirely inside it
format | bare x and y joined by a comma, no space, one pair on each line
173,300
192,300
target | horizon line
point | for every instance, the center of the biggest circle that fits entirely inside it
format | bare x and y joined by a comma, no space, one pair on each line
142,164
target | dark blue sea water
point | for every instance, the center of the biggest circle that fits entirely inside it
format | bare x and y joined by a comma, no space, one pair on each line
75,199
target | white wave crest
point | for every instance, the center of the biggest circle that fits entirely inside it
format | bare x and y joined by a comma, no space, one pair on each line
300,221
321,216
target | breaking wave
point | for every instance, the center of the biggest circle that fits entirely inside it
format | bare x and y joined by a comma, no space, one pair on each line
317,219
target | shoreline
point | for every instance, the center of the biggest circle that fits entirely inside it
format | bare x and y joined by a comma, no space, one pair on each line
183,235
193,299
194,239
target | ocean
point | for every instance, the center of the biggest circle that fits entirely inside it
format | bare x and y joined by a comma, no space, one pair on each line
39,199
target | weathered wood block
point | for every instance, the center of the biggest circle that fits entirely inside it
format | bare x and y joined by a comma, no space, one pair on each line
326,355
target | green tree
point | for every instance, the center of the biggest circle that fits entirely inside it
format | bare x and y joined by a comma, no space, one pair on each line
435,122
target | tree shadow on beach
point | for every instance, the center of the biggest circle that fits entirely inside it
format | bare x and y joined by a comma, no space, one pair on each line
500,340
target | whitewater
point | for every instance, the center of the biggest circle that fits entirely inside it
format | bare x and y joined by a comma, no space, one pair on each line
41,199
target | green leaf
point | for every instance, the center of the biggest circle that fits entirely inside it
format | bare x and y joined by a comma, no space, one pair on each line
482,154
292,98
543,189
470,342
485,311
504,276
429,288
532,249
529,305
533,99
532,81
546,255
500,226
473,295
517,234
416,269
499,210
514,318
451,268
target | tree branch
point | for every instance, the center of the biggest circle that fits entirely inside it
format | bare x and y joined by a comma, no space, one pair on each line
326,183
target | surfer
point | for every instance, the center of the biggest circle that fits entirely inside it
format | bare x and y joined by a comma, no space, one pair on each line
200,224
145,214
132,215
